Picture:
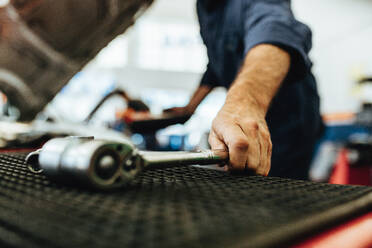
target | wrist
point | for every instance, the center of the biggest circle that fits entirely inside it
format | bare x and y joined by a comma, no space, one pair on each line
244,97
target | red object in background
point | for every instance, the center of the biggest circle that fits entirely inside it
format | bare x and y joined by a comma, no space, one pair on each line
353,234
356,233
343,173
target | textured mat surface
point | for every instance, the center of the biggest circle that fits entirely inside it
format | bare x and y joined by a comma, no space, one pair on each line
178,207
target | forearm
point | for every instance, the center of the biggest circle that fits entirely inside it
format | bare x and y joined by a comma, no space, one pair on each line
240,125
260,77
201,92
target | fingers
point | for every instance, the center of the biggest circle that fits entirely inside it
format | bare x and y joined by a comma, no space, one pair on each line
240,148
261,170
259,157
269,154
217,144
251,131
237,143
266,145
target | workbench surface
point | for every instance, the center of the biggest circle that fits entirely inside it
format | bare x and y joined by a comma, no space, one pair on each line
176,207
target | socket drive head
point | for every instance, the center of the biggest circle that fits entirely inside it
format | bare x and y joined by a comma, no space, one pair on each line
86,161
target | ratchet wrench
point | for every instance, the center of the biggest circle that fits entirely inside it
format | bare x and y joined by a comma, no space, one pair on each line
106,164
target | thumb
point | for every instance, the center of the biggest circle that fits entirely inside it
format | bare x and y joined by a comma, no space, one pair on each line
216,143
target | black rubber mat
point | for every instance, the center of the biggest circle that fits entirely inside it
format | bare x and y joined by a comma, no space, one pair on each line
178,207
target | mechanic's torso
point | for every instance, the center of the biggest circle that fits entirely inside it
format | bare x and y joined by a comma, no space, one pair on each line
221,29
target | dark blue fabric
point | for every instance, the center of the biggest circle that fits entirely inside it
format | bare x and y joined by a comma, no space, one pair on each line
230,28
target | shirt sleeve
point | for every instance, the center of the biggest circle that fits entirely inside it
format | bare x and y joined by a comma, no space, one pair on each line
209,78
272,22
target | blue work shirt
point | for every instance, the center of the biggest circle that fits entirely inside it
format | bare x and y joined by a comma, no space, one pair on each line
230,28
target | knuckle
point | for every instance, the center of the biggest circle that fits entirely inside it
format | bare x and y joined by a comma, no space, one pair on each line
251,125
255,126
266,134
240,144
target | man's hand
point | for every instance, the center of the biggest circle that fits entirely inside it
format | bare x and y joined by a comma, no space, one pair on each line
244,132
240,125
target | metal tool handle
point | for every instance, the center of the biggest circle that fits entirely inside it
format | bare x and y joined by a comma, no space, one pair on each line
152,160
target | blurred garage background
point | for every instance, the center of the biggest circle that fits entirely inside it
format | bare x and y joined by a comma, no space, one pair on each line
161,58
